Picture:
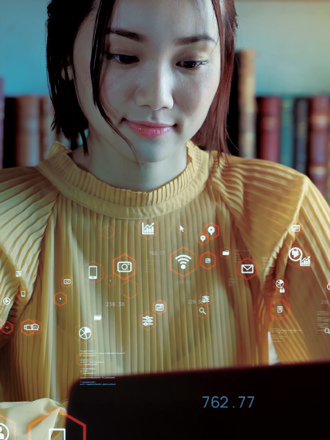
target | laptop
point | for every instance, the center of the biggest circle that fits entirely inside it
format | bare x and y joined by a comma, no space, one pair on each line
202,404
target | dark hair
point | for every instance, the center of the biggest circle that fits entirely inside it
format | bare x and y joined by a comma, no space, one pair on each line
64,20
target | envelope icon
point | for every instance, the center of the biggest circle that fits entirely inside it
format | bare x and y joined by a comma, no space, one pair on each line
247,268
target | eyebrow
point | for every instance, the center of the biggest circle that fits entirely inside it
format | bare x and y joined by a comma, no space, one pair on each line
143,39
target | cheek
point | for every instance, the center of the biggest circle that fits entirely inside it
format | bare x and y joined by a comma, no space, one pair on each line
113,95
198,96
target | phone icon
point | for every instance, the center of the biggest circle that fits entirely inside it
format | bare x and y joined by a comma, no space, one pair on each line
92,272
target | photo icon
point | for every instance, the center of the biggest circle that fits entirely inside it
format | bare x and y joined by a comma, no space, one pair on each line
124,266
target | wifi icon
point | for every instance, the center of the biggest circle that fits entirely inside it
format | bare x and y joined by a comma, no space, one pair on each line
183,260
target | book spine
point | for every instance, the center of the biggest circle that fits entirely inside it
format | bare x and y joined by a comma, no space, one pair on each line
286,146
246,104
27,136
328,171
47,136
300,134
318,142
233,115
2,120
268,127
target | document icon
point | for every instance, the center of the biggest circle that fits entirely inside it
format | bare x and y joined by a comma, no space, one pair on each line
247,268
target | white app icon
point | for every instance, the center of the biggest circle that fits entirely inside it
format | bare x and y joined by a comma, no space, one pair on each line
18,273
159,307
183,260
6,302
147,320
296,228
124,266
225,252
85,333
148,229
305,262
205,299
67,281
247,268
295,254
279,309
54,431
32,328
4,432
92,272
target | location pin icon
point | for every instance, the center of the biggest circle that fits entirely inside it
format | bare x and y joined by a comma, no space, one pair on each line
211,230
202,238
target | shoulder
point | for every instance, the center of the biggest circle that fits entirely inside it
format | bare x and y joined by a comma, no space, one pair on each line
26,202
259,183
23,189
264,200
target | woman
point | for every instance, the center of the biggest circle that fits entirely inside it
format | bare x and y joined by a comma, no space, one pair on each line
138,251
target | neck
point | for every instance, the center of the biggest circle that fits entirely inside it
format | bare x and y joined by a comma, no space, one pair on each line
113,168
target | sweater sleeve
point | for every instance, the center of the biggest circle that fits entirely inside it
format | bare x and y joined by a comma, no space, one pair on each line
32,420
300,309
269,202
26,202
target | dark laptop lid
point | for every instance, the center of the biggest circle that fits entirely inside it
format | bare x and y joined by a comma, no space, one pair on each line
193,403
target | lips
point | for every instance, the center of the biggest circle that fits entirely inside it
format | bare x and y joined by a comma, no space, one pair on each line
149,129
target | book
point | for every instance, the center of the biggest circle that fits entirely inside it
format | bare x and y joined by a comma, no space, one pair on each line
300,134
241,119
22,131
47,135
286,136
268,127
317,158
2,119
328,171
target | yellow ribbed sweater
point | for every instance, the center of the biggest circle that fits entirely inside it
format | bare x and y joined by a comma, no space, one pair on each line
116,282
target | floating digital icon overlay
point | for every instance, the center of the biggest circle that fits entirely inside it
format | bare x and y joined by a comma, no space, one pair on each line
183,262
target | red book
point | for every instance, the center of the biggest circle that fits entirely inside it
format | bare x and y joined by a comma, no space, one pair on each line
269,127
317,165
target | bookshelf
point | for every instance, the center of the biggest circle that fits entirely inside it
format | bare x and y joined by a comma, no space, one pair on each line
290,40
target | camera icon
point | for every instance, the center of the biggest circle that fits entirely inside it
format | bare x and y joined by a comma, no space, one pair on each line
124,266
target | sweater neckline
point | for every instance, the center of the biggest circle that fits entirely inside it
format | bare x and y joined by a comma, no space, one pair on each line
86,189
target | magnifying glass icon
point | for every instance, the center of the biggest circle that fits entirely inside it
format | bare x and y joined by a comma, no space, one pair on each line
202,310
327,330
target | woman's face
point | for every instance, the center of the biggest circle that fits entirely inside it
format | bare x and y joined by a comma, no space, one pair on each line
162,65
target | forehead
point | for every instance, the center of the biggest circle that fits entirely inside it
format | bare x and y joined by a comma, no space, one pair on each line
164,19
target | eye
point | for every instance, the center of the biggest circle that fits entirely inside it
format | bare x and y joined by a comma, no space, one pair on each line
192,64
121,59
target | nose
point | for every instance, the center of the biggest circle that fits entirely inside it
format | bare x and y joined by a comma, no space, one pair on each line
155,88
